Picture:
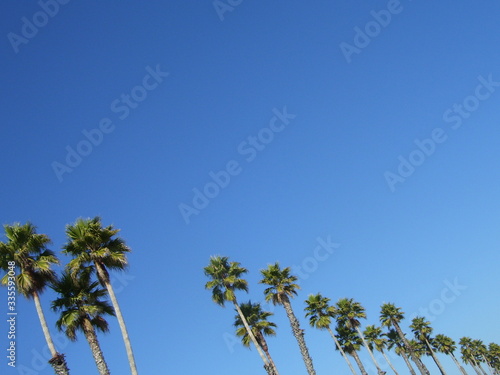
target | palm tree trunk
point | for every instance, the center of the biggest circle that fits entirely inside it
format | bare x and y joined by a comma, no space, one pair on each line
104,277
58,362
462,370
435,358
389,362
481,368
252,336
263,343
379,370
415,359
341,351
407,361
299,335
358,362
487,364
91,337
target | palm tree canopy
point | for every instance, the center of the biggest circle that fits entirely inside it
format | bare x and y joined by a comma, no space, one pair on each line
257,320
90,242
32,258
444,344
421,328
375,338
348,339
389,313
80,299
281,283
319,312
225,279
350,311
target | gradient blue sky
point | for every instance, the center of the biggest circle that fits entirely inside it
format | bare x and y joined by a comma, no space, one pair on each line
322,176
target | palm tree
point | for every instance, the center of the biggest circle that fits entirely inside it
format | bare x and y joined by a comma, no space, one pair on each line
91,244
469,354
225,279
494,356
320,315
350,342
260,326
82,309
446,345
481,352
281,288
349,313
375,338
393,340
33,262
422,330
391,316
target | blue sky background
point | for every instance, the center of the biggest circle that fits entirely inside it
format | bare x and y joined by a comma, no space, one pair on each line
322,176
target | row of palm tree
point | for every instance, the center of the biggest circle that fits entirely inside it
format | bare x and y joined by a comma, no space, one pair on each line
252,325
81,299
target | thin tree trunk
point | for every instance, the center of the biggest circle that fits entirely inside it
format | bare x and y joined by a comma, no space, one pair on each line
379,370
299,335
358,362
104,277
435,358
462,370
487,364
91,337
415,359
389,362
263,343
476,369
481,368
58,362
341,351
407,361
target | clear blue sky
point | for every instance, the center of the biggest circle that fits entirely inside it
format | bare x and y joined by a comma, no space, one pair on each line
330,172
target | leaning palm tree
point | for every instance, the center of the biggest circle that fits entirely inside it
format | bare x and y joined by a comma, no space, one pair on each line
93,245
349,313
468,354
422,330
350,342
258,321
481,352
494,356
446,345
391,316
281,288
82,309
320,314
375,339
225,279
33,262
394,341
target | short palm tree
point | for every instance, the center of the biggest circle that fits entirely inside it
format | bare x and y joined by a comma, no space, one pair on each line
394,341
446,345
282,287
82,309
350,342
391,316
33,261
422,330
320,314
225,279
349,313
258,321
91,244
375,339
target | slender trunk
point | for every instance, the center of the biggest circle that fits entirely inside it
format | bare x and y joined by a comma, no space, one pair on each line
475,367
263,343
104,277
481,368
487,364
462,370
379,370
342,351
415,359
389,362
407,361
58,362
91,337
299,335
434,357
358,362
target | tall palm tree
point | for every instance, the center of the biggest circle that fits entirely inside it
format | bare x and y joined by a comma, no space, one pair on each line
320,315
393,340
446,345
494,356
33,261
376,339
225,279
82,309
481,352
281,288
349,313
260,325
468,354
391,316
91,244
422,330
350,342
